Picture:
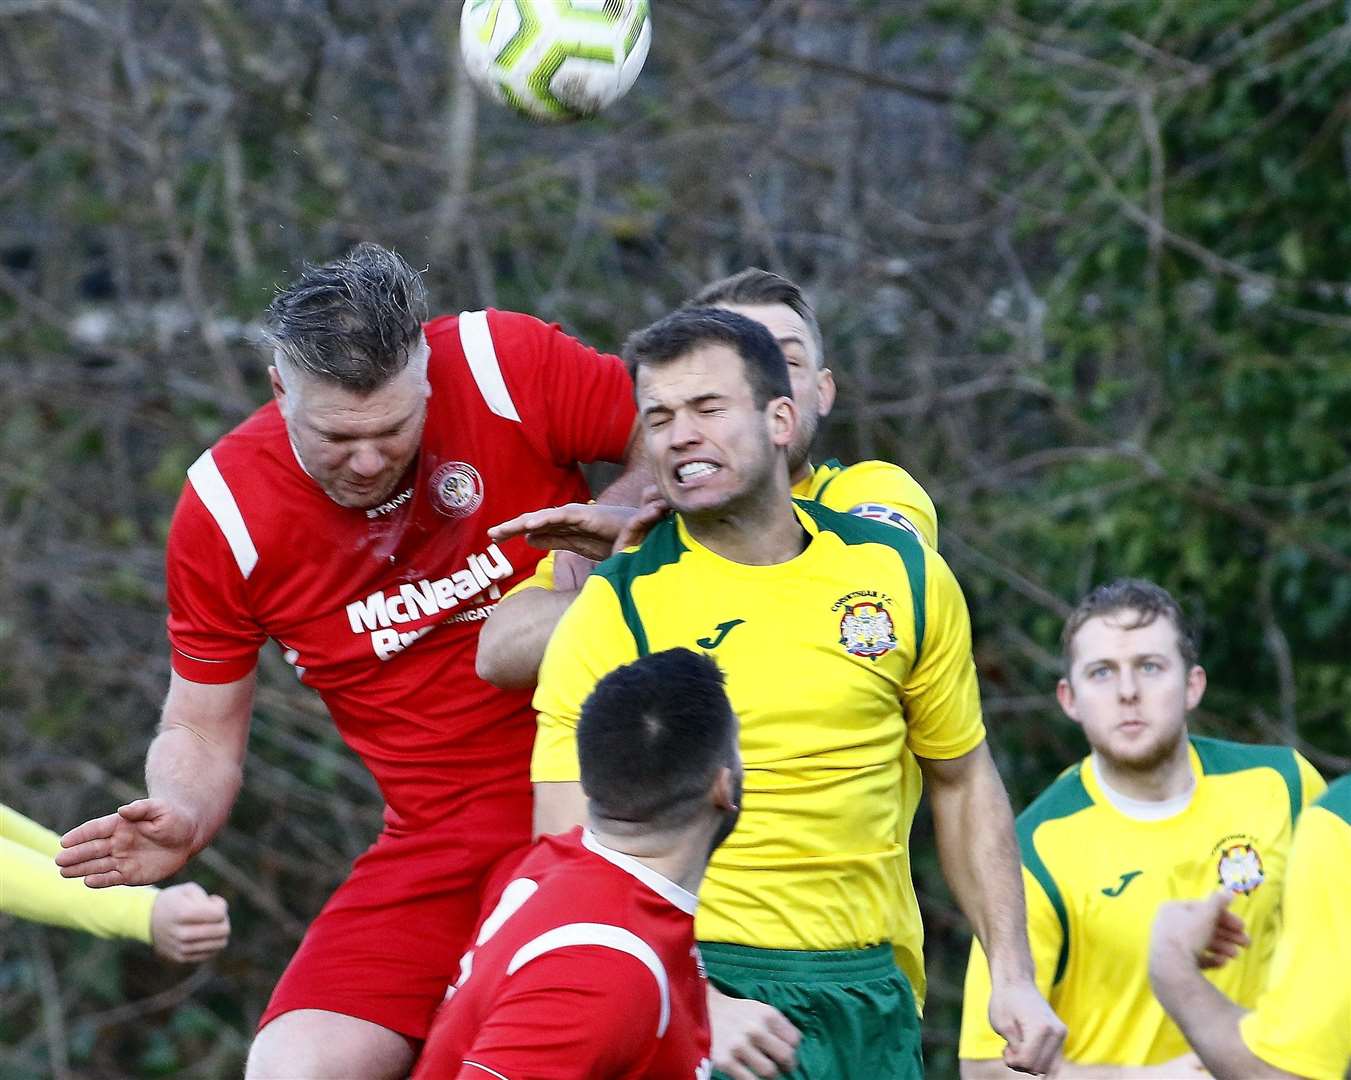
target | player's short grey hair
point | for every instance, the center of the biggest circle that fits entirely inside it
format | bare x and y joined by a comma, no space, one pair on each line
1145,600
753,286
355,322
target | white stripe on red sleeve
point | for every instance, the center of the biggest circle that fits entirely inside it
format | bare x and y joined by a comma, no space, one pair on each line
477,341
219,500
608,937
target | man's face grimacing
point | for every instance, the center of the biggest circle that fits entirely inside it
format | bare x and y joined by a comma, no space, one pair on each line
813,384
1130,689
356,447
711,447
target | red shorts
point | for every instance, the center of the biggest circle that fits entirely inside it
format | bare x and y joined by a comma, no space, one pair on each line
389,941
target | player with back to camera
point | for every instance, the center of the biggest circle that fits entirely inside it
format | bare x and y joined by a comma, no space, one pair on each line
1301,1024
346,520
1151,814
513,640
586,968
845,641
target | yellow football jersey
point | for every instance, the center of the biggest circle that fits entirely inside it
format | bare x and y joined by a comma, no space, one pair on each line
32,887
837,662
1302,1022
1094,878
875,489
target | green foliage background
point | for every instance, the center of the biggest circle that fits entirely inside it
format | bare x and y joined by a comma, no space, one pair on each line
1081,269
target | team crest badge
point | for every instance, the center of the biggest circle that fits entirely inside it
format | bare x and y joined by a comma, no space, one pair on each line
457,489
866,628
1240,868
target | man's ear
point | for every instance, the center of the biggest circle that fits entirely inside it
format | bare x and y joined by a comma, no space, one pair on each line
278,387
781,417
723,792
1196,686
825,392
1064,693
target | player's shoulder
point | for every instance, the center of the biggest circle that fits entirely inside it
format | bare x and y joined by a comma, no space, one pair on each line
854,530
661,548
1065,797
1223,757
835,483
246,471
1337,799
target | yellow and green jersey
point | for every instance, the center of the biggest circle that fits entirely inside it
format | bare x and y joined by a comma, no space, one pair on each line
839,663
1302,1022
1094,877
873,489
32,887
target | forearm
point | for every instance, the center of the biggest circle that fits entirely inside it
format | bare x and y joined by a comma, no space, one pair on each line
978,852
1208,1019
199,777
627,488
511,644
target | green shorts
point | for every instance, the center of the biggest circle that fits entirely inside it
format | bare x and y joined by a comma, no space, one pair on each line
855,1009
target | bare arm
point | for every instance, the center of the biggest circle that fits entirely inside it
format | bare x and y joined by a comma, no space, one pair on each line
979,855
511,643
1187,936
193,772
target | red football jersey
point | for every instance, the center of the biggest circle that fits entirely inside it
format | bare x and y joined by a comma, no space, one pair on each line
379,610
586,967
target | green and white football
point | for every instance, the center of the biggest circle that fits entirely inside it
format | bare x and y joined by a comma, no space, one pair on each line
555,59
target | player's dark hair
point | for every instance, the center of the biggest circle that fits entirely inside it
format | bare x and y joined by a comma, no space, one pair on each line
652,737
683,331
756,286
353,321
1143,599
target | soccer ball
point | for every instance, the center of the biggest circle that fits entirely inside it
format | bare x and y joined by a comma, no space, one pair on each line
555,59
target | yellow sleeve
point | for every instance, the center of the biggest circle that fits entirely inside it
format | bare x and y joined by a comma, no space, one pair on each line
1311,779
21,830
1302,1022
590,641
941,695
979,1041
542,578
31,887
883,485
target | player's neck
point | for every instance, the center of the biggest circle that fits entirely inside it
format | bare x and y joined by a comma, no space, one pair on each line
761,531
680,857
1164,780
801,474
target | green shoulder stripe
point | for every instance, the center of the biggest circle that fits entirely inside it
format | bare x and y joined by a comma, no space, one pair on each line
856,530
1219,756
833,463
661,548
1065,797
1337,798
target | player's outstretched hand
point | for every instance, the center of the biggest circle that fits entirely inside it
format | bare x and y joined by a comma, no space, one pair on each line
1028,1025
188,926
589,529
1205,930
750,1039
144,842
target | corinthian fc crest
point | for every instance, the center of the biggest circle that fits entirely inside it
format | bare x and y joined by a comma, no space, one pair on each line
866,629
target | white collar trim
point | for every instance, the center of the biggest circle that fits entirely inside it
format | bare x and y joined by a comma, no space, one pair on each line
663,886
1142,809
